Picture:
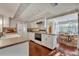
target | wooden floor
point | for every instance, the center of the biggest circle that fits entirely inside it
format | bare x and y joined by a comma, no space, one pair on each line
38,50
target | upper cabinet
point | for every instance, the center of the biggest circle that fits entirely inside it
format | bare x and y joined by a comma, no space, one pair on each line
40,24
6,22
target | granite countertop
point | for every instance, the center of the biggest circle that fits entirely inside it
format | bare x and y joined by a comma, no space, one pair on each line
45,33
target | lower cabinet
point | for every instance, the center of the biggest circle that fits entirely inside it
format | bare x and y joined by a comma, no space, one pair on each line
38,50
48,40
44,39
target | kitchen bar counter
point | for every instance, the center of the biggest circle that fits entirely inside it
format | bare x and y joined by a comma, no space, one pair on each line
10,42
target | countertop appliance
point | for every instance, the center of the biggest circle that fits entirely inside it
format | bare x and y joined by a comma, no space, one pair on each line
38,36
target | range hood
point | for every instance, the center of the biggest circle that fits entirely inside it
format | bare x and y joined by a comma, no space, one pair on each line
40,22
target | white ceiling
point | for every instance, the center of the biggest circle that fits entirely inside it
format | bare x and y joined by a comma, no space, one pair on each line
30,12
8,9
44,10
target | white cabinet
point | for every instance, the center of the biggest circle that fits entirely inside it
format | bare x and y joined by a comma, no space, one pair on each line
22,29
25,31
6,22
31,36
48,41
44,39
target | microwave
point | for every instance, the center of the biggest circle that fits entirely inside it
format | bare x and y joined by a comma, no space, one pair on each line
38,36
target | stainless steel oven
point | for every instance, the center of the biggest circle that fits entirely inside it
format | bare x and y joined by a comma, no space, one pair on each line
38,36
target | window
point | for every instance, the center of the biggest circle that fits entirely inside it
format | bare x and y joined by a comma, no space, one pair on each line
67,24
